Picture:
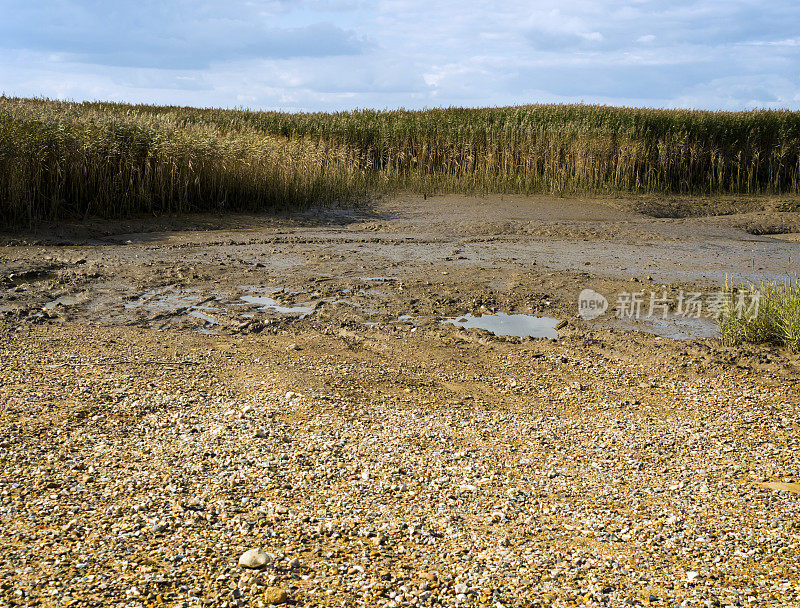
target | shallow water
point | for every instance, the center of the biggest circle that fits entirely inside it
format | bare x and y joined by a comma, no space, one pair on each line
198,314
62,301
166,300
267,303
502,324
30,276
675,327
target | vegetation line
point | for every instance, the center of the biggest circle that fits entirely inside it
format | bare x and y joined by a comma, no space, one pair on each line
62,159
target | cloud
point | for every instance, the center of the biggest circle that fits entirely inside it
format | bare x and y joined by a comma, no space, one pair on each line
167,35
554,40
340,54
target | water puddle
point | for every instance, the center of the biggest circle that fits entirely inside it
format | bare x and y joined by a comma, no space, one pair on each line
267,303
62,301
160,300
675,327
198,314
171,301
29,276
502,324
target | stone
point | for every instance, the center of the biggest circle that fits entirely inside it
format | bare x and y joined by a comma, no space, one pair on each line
254,559
275,596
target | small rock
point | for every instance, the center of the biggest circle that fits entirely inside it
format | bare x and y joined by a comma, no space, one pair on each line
254,559
275,596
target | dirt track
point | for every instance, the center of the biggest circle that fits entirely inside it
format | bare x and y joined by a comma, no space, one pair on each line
157,423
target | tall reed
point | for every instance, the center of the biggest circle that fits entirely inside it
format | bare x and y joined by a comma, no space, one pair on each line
78,163
63,158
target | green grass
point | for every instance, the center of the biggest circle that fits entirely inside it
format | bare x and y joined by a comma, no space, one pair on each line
776,320
62,159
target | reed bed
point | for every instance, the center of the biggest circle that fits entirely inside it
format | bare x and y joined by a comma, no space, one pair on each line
775,320
60,160
112,159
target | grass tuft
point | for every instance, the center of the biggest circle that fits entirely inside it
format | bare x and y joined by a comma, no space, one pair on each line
775,321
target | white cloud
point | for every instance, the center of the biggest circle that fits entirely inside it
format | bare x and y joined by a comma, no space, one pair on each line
314,54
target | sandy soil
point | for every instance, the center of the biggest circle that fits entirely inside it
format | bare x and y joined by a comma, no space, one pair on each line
175,391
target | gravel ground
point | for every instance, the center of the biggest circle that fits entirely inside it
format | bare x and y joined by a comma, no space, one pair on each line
392,468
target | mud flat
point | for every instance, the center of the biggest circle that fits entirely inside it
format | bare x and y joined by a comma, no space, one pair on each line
175,392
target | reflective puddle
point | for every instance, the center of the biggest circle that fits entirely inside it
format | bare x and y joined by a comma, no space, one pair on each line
267,303
198,314
675,327
29,276
172,301
62,301
166,300
502,324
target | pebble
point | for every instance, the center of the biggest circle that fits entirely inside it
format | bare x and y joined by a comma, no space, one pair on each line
275,596
254,559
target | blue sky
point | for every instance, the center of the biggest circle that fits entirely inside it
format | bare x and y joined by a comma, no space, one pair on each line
341,54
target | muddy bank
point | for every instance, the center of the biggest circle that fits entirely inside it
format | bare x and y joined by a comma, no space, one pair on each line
428,259
175,393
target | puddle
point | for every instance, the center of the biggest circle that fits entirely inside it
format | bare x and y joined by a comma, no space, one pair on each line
675,327
267,303
29,276
62,301
203,317
165,301
502,324
191,303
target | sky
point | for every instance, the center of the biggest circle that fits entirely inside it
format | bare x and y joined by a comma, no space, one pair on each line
342,54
